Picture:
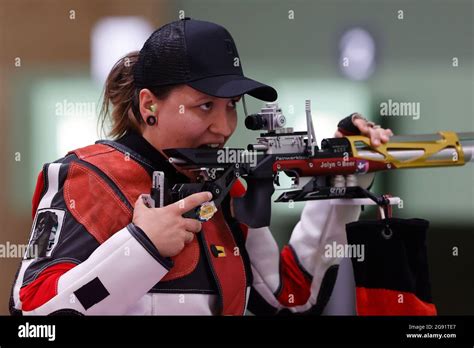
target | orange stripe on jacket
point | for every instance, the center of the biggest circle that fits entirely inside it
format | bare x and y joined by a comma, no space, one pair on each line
391,302
295,284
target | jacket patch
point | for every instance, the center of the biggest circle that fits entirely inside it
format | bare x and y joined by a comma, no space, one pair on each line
45,233
218,250
91,293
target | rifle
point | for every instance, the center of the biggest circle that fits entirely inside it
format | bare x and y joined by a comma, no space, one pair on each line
328,171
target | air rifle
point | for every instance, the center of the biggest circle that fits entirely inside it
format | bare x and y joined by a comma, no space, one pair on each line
328,171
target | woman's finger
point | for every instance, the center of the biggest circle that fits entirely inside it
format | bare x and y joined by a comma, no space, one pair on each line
140,202
374,137
190,202
188,237
192,225
362,125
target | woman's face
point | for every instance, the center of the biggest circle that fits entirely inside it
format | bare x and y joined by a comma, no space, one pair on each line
188,118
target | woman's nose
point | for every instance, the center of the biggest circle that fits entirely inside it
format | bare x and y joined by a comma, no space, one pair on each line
222,125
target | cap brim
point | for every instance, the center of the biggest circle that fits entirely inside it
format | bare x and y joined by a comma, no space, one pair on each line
228,86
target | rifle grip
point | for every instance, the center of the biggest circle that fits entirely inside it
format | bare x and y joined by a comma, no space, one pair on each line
255,208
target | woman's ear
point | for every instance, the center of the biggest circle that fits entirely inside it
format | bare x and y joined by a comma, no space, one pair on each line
148,104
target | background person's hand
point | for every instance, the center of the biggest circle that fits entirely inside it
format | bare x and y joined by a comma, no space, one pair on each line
166,227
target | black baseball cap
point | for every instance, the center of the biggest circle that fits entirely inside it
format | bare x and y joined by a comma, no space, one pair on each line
199,54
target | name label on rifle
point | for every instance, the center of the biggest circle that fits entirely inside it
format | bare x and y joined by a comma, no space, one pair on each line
337,164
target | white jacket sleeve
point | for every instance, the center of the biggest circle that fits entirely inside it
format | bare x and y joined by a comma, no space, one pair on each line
114,277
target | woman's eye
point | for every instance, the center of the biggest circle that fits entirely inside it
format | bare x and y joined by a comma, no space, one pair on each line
206,106
233,103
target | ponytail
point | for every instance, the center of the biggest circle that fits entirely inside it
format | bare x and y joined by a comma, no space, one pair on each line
120,93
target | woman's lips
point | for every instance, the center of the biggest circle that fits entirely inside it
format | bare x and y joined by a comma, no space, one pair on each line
211,146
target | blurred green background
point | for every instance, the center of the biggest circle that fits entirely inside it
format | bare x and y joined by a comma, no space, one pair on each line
300,57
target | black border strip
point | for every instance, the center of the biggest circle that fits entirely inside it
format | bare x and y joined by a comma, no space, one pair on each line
143,239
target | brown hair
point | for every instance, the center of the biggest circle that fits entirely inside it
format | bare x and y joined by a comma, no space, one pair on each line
120,93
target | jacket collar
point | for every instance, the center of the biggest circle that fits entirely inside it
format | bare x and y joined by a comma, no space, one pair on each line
147,154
